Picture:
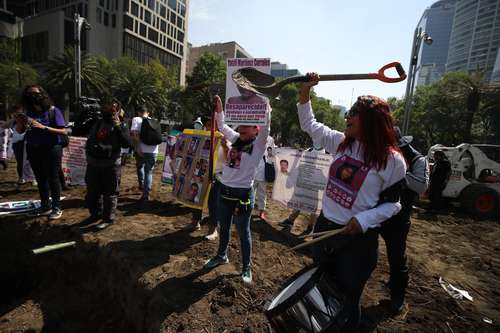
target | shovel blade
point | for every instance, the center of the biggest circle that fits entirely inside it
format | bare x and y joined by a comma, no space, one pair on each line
251,79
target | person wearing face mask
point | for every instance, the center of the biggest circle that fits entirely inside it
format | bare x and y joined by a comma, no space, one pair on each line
103,149
235,196
45,124
362,191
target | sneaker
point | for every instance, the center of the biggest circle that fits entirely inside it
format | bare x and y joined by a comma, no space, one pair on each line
55,214
42,211
104,225
286,223
246,275
212,236
34,183
21,181
216,261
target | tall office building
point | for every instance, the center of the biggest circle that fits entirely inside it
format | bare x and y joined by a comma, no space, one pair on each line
475,36
437,21
495,75
141,29
225,50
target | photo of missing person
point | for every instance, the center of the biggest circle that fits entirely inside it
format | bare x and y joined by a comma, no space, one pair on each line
194,192
178,161
234,159
346,173
206,147
246,97
193,145
186,165
179,186
180,144
201,168
284,166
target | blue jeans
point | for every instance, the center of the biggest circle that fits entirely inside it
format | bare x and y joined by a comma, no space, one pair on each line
350,260
226,216
145,165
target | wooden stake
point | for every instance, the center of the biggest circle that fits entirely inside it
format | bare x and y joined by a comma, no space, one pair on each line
53,247
319,239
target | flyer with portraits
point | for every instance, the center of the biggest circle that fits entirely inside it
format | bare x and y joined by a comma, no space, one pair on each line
301,178
245,107
190,167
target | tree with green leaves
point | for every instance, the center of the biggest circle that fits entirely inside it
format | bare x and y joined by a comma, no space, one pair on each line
208,78
285,121
14,74
461,107
59,75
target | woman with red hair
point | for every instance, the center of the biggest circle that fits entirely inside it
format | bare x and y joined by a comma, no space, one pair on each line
361,192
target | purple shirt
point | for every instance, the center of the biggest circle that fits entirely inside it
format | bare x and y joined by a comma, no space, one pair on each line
37,136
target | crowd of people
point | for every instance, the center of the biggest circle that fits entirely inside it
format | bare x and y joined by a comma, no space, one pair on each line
374,180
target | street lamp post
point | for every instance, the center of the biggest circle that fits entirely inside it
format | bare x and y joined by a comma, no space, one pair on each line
418,37
80,22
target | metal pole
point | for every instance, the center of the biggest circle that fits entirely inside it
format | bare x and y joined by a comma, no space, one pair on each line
78,83
406,119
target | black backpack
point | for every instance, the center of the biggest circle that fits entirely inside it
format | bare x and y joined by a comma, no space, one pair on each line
150,132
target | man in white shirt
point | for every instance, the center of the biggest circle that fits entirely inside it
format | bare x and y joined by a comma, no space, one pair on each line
145,154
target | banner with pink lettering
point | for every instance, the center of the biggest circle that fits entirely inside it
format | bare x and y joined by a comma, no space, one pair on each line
244,107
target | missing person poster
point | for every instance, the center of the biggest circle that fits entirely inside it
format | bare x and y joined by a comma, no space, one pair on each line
245,107
190,167
167,175
74,161
301,178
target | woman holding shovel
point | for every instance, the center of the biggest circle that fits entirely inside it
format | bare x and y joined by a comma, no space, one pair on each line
361,192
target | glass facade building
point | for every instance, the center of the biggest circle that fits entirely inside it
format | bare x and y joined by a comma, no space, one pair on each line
475,36
141,29
437,21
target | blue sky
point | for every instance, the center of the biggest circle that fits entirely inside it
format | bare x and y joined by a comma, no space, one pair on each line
325,36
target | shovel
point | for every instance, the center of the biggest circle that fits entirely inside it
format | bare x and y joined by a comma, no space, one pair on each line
260,83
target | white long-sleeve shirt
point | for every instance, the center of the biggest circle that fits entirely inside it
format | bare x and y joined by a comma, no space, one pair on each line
240,171
353,187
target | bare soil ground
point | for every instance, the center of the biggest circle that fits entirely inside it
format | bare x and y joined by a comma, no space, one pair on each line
145,273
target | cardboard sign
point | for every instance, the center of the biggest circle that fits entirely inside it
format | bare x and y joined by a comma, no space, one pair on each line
191,167
301,178
245,107
74,161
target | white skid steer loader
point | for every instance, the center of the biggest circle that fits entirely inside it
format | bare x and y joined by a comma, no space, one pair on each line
474,178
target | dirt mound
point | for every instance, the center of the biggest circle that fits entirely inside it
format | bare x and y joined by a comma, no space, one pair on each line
145,273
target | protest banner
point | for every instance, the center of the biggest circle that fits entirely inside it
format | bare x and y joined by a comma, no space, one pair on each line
190,167
301,178
74,161
244,107
167,175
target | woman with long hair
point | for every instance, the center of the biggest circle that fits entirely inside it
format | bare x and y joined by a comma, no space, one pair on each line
45,124
361,192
